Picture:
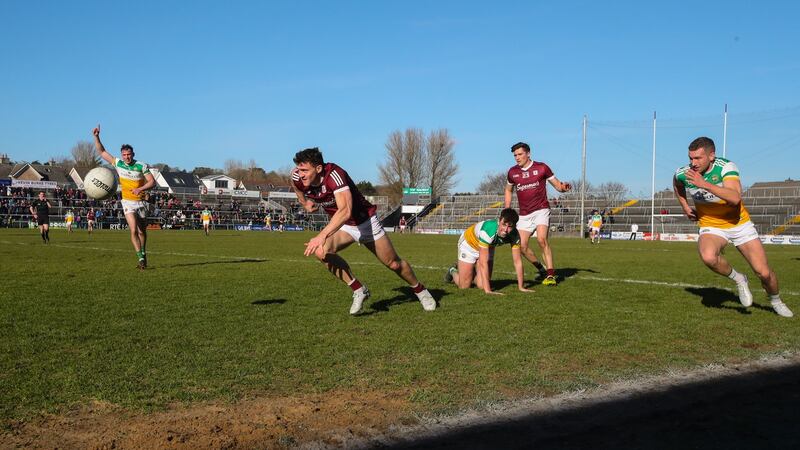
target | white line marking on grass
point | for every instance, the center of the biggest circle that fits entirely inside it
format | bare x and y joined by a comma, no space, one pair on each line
438,268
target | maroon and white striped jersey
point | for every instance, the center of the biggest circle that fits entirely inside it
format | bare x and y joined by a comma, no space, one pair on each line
335,179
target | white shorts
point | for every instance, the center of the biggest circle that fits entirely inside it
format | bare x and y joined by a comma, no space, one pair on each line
594,229
468,254
367,231
530,221
206,222
738,235
135,206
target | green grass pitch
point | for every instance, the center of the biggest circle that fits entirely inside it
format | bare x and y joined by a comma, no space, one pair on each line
242,314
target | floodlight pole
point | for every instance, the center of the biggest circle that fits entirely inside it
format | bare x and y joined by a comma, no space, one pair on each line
725,133
653,187
583,177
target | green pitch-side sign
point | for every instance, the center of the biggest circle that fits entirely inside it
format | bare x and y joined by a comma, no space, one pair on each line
416,191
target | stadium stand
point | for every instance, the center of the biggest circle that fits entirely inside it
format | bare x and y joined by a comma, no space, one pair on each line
774,208
177,201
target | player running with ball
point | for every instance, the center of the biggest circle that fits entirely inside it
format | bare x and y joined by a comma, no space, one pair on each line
352,219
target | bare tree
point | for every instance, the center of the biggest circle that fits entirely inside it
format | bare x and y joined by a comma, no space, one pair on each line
442,167
493,183
614,191
414,150
405,162
235,169
84,155
575,192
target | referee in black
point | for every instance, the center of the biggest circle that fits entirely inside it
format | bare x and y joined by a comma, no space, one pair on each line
40,208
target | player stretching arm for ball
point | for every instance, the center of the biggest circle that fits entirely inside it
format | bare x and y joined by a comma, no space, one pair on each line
135,178
476,253
713,183
352,219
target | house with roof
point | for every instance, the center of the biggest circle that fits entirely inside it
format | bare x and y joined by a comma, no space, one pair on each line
221,184
177,182
47,176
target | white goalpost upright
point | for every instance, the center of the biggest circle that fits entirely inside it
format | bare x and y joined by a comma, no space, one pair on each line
653,185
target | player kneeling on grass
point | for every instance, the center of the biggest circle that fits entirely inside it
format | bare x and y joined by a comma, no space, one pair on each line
476,252
352,219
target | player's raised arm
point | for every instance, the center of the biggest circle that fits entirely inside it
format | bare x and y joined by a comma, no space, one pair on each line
101,150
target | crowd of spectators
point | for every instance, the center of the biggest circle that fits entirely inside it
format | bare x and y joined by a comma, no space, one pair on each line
166,209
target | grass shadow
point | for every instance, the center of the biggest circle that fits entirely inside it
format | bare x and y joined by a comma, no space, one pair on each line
277,301
750,411
207,263
712,297
502,283
562,274
405,295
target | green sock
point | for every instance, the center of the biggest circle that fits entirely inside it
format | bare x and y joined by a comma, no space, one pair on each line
140,254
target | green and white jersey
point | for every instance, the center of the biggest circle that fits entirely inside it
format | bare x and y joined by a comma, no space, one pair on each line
596,221
131,177
484,234
713,211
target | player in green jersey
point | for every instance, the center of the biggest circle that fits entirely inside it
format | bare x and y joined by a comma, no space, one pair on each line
476,252
713,183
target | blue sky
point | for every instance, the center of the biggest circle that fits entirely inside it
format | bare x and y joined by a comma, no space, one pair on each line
196,83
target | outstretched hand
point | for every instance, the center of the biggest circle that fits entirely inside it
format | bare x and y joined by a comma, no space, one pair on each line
96,131
311,246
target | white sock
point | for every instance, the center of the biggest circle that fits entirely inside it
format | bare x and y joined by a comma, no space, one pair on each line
775,298
736,276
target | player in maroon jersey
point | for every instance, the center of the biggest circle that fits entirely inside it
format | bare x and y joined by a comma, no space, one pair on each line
352,219
528,178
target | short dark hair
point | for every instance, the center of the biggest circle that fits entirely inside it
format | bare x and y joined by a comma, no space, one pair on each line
126,147
702,142
310,155
521,145
509,215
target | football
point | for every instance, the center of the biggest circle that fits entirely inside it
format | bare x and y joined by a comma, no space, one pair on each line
100,183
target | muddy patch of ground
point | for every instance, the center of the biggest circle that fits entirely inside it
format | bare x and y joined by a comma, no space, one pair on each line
748,405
